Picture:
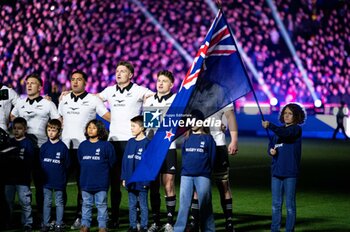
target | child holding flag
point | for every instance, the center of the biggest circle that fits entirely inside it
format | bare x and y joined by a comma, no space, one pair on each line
198,156
285,149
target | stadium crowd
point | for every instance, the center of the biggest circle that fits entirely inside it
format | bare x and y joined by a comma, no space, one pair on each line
55,37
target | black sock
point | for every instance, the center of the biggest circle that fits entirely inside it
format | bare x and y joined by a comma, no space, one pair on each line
227,209
194,211
170,206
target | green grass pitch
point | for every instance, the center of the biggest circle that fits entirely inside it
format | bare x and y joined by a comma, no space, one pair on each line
323,195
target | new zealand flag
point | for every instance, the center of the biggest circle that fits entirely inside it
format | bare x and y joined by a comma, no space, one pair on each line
216,78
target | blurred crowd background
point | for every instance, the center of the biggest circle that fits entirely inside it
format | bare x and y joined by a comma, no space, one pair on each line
54,37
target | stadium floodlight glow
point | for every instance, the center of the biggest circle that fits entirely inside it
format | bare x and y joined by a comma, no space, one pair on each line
163,31
317,103
291,49
273,101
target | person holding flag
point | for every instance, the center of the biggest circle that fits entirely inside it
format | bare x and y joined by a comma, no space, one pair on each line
198,157
221,168
217,68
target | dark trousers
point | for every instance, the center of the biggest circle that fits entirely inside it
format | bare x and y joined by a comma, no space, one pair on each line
116,195
155,200
38,180
74,173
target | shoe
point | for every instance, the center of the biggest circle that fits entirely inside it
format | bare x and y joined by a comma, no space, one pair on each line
132,229
76,225
59,228
154,228
52,225
84,229
113,224
27,228
138,226
192,227
229,227
168,228
102,230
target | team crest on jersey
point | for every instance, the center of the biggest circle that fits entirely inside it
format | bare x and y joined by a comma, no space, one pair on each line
66,103
39,106
98,150
202,145
139,152
113,95
85,103
58,155
23,107
129,95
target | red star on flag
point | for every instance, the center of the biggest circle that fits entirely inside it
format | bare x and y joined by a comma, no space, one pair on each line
169,134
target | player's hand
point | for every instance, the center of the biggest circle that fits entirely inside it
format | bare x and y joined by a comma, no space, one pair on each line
232,148
265,124
273,151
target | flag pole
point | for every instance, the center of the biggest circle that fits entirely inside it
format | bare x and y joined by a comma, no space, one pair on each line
218,2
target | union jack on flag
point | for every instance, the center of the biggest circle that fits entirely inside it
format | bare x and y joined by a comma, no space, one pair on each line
215,79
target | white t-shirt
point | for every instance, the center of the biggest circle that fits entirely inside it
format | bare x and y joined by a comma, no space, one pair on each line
76,113
37,115
217,133
5,106
155,103
124,105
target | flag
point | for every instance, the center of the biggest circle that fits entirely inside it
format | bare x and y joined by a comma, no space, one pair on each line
215,79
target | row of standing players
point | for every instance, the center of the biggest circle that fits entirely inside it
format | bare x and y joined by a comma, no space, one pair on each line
125,99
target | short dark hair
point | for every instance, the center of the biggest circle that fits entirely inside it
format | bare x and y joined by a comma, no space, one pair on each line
102,133
127,64
81,72
54,123
36,76
20,120
299,114
168,74
138,119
